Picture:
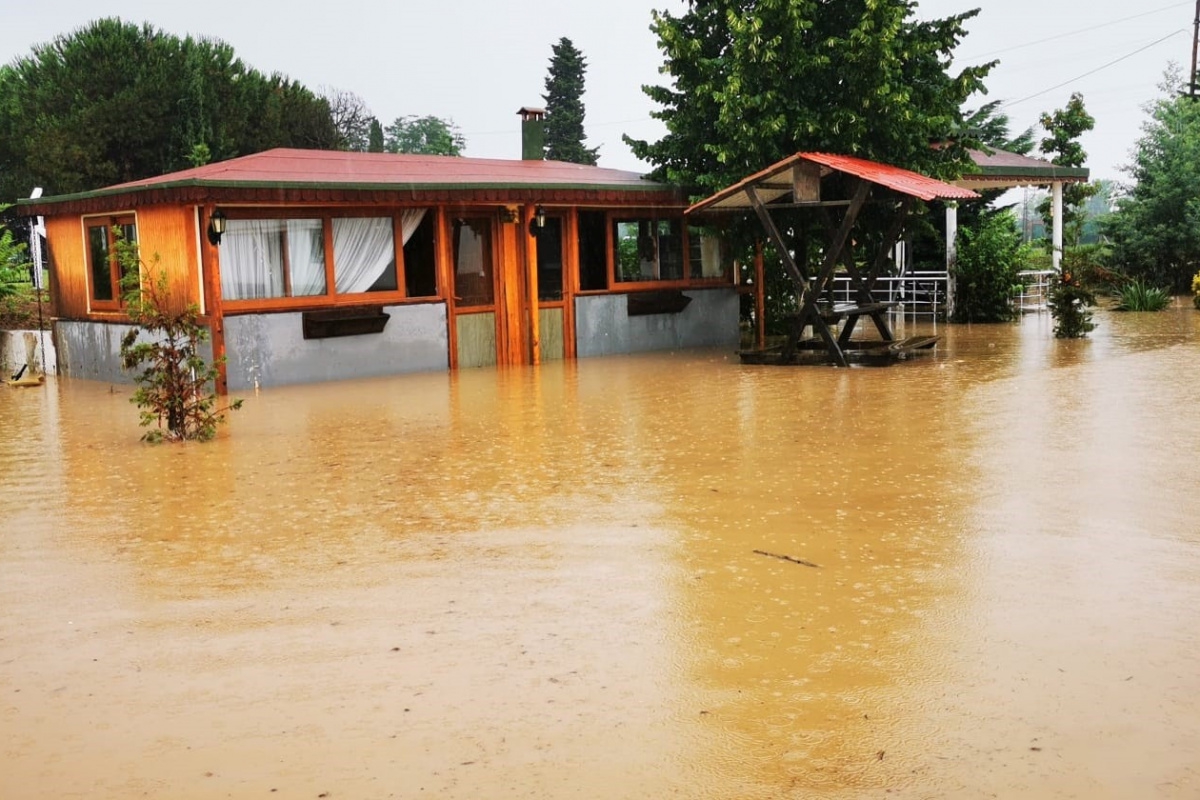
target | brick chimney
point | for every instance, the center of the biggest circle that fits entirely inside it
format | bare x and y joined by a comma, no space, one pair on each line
533,133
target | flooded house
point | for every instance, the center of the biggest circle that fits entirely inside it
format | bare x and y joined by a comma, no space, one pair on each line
314,265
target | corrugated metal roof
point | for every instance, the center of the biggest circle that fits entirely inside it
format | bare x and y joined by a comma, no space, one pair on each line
774,182
378,170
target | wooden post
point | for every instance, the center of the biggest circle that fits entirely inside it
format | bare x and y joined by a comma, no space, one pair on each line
1056,204
760,297
531,263
210,266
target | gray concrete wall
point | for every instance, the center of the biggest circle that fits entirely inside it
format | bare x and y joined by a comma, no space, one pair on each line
603,326
270,349
18,348
90,350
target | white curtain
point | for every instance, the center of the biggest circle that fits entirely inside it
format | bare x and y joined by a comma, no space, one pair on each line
306,256
470,251
252,259
410,220
363,249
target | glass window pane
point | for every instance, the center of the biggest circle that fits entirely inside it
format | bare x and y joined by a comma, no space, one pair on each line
129,234
420,267
252,259
473,277
364,255
670,250
636,250
550,260
102,288
306,256
593,256
707,254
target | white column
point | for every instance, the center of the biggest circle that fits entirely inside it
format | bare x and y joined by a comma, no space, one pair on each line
1057,211
951,253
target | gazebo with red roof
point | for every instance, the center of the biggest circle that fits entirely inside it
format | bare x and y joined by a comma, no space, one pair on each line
799,178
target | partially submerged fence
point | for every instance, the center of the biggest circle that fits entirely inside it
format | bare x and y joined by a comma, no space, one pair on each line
915,292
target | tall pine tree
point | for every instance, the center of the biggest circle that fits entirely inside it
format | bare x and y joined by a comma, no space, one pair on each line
564,106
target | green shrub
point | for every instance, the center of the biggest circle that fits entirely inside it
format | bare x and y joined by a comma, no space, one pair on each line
1196,290
1137,295
1069,303
988,259
174,381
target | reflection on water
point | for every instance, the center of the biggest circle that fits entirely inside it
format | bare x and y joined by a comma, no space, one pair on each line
543,582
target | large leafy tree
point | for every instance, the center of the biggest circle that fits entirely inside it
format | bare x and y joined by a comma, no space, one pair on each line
1063,128
753,81
429,135
116,101
1155,230
564,106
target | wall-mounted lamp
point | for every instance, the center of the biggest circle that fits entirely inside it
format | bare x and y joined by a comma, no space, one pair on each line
216,227
537,222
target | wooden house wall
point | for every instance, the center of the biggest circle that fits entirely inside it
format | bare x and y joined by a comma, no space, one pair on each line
168,232
167,240
68,266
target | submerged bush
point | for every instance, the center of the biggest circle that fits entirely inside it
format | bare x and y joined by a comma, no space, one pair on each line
1069,303
988,258
1137,295
174,380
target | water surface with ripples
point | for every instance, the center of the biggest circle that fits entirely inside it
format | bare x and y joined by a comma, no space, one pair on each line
543,583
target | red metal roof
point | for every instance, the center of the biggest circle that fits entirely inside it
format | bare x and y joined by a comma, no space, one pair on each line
895,178
333,169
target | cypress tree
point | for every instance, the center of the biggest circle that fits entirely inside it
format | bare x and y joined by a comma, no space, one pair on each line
564,106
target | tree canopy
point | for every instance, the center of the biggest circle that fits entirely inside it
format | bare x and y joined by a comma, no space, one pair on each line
1063,128
564,106
427,135
115,101
1155,230
753,81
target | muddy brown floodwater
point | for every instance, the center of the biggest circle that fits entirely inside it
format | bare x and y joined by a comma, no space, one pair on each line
543,583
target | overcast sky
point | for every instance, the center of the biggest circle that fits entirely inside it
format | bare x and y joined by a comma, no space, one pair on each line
478,61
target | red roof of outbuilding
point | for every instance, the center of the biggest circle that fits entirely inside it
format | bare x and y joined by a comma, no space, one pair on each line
895,178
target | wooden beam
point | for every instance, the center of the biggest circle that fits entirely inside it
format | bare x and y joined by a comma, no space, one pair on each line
777,239
760,297
838,243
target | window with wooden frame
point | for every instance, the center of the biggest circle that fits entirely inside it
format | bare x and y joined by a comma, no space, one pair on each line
644,248
647,249
309,257
104,271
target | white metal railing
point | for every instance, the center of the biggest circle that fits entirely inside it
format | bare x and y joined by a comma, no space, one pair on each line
1034,291
916,292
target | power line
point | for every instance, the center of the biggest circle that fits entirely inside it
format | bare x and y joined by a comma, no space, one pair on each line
1097,69
1071,33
